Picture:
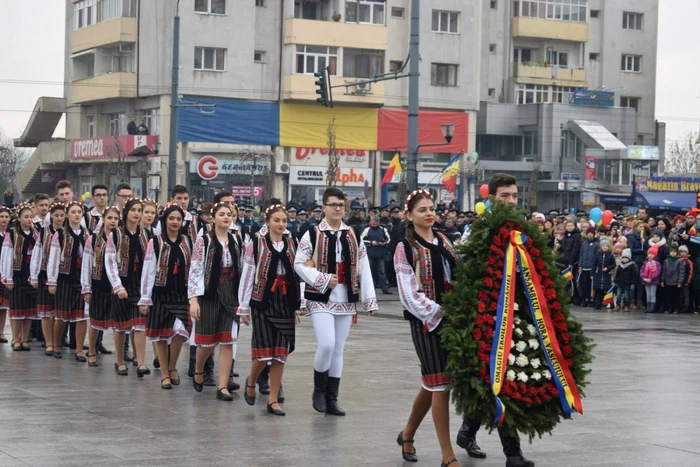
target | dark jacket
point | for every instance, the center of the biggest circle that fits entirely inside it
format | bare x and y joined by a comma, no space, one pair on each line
375,234
634,243
571,247
131,128
589,250
601,279
673,270
626,276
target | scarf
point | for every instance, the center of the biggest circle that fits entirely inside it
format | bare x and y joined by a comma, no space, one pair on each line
427,259
658,244
23,246
122,240
162,248
71,254
267,259
213,252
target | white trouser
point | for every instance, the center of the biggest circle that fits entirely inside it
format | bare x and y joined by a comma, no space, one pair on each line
331,333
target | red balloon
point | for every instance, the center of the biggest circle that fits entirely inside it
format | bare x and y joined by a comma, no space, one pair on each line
484,191
607,217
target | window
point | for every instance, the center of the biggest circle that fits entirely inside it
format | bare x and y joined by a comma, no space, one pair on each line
209,58
632,21
494,5
558,58
492,92
365,11
595,13
397,12
84,13
213,7
259,2
632,63
361,63
91,126
630,102
563,10
445,21
259,56
532,94
117,124
492,48
313,59
563,94
395,65
151,118
522,55
443,74
593,56
89,12
640,140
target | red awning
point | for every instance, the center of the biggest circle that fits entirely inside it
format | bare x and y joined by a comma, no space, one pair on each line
393,130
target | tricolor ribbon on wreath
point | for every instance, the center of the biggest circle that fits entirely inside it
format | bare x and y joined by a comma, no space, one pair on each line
518,260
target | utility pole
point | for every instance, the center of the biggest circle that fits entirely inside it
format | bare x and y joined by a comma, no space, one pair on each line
172,147
413,106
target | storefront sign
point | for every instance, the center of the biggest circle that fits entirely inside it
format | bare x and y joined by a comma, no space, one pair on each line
108,147
590,168
351,155
588,198
301,175
52,176
645,153
208,167
594,98
677,184
244,190
570,176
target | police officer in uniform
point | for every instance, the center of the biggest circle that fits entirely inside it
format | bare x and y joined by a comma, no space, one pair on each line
293,224
314,220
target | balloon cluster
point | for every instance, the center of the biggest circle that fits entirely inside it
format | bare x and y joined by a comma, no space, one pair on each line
481,207
87,199
599,217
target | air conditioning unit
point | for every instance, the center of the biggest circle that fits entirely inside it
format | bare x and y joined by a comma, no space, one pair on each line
527,159
154,182
154,165
282,168
364,86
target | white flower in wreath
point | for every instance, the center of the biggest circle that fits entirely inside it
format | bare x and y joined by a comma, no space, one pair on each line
511,359
516,321
536,376
522,377
521,360
547,374
519,332
510,374
516,307
531,329
521,346
534,345
535,363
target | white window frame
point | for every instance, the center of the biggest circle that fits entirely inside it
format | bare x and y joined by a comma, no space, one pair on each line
91,126
201,51
151,118
538,93
208,10
630,62
555,58
375,6
450,66
259,2
331,53
632,21
625,101
116,121
84,13
559,10
445,16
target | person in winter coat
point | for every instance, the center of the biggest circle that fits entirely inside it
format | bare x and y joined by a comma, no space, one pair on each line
625,278
687,278
589,250
658,240
570,249
650,275
672,278
604,265
696,286
636,243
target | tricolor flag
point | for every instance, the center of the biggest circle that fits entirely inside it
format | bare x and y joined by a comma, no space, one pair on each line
394,168
609,295
567,274
450,173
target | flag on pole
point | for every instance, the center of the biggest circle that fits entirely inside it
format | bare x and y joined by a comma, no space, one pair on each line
394,168
450,174
609,295
567,274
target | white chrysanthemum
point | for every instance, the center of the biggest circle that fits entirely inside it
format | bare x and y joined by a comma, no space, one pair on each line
536,376
519,332
516,307
547,374
510,374
511,359
535,363
520,346
516,321
521,360
534,345
522,377
531,329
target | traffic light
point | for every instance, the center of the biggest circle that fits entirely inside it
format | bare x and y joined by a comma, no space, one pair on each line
322,90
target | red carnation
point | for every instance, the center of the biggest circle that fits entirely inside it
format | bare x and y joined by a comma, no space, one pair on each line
542,390
565,338
554,391
569,363
522,388
484,347
482,296
538,401
535,252
528,243
509,224
494,306
489,271
545,273
487,380
481,308
547,397
532,391
494,294
503,232
516,396
488,282
499,275
484,357
560,325
488,333
483,371
494,248
568,350
555,306
479,321
527,400
547,282
497,241
505,389
491,260
476,334
550,294
500,265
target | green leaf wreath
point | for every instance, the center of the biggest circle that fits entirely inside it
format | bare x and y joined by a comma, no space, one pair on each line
530,397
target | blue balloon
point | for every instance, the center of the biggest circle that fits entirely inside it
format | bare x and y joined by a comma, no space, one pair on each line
572,210
488,204
596,215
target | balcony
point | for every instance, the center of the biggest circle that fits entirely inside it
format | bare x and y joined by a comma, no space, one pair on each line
113,31
103,87
302,87
335,34
535,73
539,28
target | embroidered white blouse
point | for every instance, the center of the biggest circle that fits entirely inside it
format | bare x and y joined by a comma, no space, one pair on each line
7,253
55,258
195,283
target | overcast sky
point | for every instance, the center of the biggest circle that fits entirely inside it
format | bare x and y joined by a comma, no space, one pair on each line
32,34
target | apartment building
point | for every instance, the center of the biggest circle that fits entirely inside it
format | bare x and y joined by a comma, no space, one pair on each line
247,96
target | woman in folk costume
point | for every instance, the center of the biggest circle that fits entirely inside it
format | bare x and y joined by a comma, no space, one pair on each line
270,287
96,289
424,261
63,278
212,286
45,301
125,251
164,293
5,217
148,221
339,278
17,249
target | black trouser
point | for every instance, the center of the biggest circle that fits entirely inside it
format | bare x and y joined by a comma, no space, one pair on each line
672,297
585,281
685,299
511,445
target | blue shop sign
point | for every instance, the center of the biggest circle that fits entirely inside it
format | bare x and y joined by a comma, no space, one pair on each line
594,98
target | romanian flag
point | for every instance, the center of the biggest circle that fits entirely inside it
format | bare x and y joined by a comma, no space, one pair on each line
450,173
394,168
609,295
567,274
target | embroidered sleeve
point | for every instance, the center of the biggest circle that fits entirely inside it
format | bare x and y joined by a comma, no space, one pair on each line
311,276
54,260
148,276
111,265
367,292
195,283
411,298
245,288
86,268
6,259
156,228
35,264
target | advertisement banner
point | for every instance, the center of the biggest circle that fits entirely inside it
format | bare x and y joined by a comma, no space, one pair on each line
588,198
594,98
244,190
393,130
645,153
315,176
307,125
108,147
319,156
590,168
209,167
677,184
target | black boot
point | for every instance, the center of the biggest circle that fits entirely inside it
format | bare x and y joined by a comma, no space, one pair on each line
264,380
127,355
319,396
209,379
466,438
193,361
232,385
233,365
332,407
511,448
100,346
280,395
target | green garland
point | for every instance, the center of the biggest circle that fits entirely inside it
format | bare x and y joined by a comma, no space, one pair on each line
468,329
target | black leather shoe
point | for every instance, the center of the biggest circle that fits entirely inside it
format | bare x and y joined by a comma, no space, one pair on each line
332,407
446,464
80,358
92,364
199,387
127,356
232,385
156,363
264,381
166,385
175,381
469,444
103,350
119,371
319,396
519,461
250,400
222,396
141,371
193,359
407,456
274,411
280,395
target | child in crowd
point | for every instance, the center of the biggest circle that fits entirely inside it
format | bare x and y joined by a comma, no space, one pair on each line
603,267
651,277
687,279
625,277
617,254
672,280
589,250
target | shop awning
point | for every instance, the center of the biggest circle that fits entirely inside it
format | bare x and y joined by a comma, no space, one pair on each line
595,135
665,200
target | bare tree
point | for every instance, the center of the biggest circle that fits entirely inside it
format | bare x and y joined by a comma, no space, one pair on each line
12,161
333,155
117,171
683,155
534,187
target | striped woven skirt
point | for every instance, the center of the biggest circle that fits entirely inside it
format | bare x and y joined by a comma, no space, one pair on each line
168,308
70,305
22,299
101,307
431,354
45,302
217,315
125,313
273,330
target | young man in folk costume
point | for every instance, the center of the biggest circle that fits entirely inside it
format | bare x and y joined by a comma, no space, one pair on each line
93,218
505,189
41,209
337,277
180,196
